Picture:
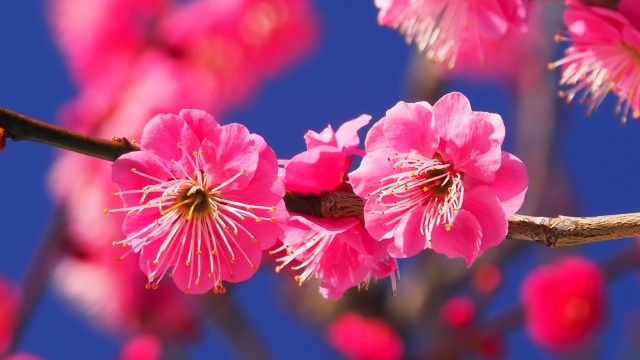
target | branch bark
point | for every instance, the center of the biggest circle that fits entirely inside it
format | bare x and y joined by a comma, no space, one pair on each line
559,232
20,127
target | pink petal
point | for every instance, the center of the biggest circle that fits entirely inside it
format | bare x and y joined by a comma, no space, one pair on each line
318,169
406,127
491,19
163,133
145,163
512,181
227,151
326,137
408,241
347,134
201,122
463,240
324,226
474,150
483,203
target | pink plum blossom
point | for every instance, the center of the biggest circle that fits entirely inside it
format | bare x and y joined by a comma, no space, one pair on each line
564,302
102,34
10,302
458,312
202,201
359,338
435,177
338,251
142,347
603,55
439,28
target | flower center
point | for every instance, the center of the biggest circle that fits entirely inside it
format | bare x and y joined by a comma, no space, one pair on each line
418,181
193,201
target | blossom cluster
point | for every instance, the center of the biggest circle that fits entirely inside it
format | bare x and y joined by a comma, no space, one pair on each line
203,200
487,36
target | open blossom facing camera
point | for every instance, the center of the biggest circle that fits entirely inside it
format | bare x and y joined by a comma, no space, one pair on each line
439,27
202,201
340,252
604,55
435,177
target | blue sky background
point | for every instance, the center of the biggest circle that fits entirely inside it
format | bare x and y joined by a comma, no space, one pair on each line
358,68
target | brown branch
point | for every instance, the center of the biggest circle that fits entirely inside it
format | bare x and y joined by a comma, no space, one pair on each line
557,232
20,127
566,231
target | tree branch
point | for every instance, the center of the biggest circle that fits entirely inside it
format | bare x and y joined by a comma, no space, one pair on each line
559,232
20,127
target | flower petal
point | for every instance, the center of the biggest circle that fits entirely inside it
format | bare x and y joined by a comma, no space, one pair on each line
463,240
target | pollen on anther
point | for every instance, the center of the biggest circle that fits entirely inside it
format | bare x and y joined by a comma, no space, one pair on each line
233,260
199,252
133,169
254,240
278,269
197,282
232,276
148,286
154,286
155,262
272,219
253,267
117,259
106,211
273,208
186,291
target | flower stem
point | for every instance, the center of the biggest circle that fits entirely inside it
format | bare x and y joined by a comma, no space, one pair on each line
38,274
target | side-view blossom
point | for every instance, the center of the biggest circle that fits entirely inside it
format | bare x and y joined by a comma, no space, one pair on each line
564,302
603,55
202,201
439,28
435,177
357,337
340,252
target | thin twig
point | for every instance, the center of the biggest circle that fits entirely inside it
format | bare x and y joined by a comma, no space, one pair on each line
556,232
20,127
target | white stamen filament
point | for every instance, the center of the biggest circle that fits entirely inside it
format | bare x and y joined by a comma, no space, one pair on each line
420,181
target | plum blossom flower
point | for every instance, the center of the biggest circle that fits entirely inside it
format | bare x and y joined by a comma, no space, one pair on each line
357,337
142,347
202,201
564,302
338,251
603,56
438,28
435,177
11,300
